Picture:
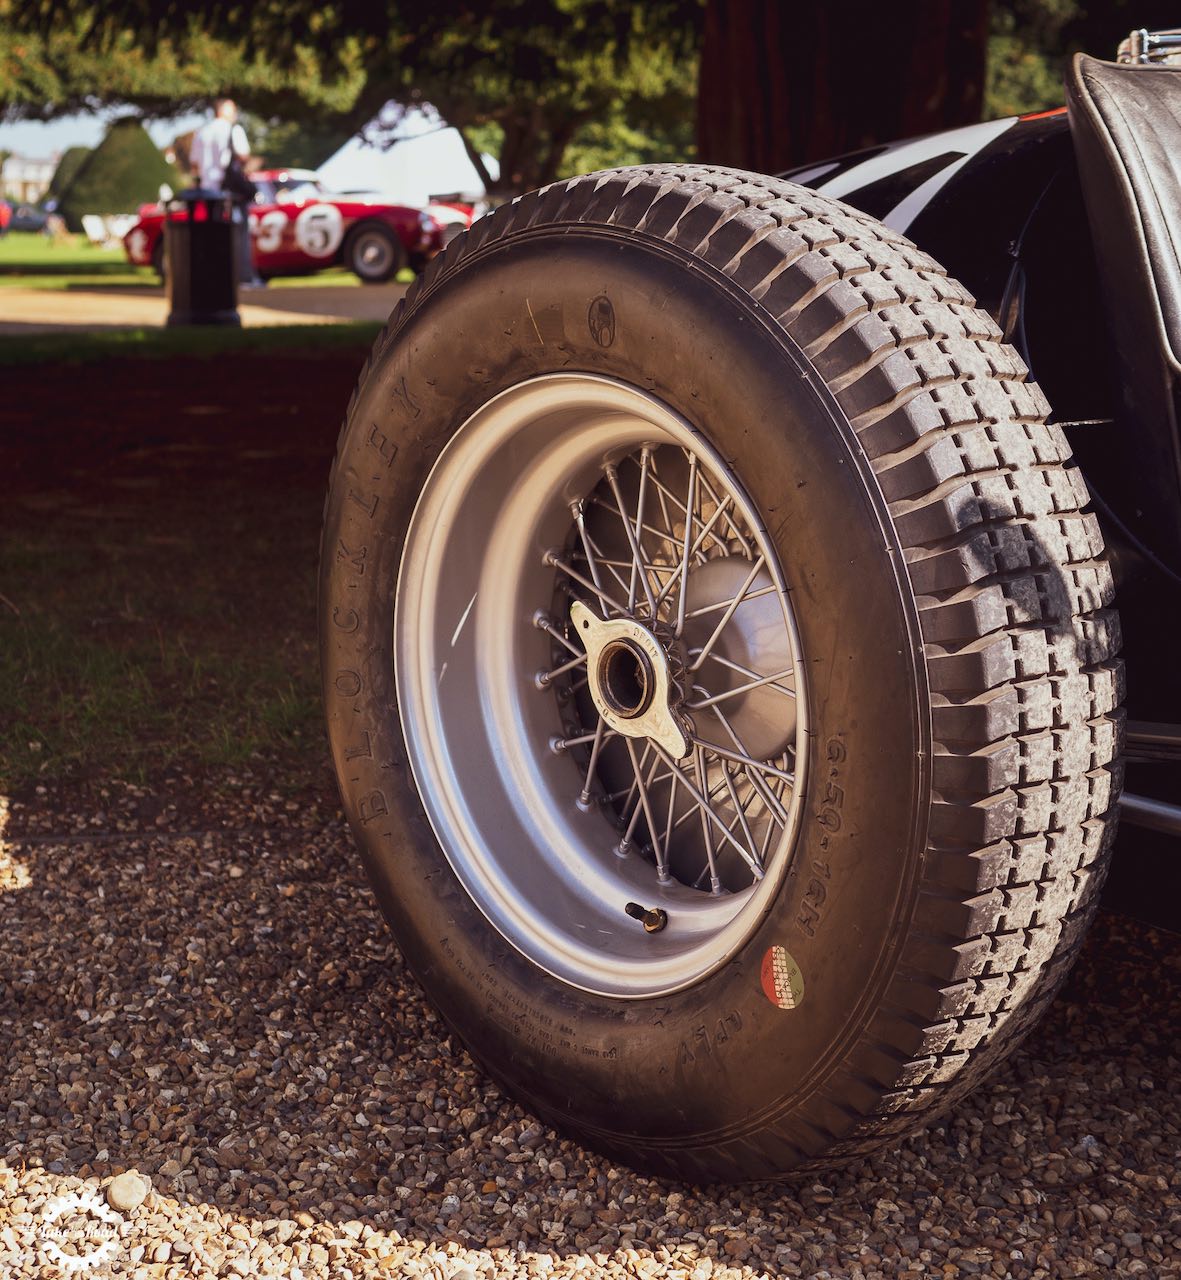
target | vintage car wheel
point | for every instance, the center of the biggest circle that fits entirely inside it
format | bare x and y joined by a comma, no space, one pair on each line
718,668
374,253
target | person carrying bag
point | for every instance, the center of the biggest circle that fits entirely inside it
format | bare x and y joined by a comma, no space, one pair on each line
219,152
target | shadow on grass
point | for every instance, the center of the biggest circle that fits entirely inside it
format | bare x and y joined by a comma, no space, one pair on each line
157,574
69,263
156,344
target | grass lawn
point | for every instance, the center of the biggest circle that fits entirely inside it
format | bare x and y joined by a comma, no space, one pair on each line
32,261
28,254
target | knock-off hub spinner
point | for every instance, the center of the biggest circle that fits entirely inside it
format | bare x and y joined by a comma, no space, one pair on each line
630,680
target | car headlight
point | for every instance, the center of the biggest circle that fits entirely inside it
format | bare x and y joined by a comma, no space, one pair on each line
427,223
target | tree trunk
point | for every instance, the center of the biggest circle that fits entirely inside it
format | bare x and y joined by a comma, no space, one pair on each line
784,82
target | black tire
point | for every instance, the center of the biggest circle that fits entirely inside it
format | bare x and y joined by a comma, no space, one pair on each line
953,610
373,253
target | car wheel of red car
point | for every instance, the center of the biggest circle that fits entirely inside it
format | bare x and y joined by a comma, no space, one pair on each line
719,670
374,253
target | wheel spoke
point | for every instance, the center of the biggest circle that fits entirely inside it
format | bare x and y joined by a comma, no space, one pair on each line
742,757
707,835
637,538
746,547
690,500
722,604
740,811
584,797
682,570
613,480
717,631
645,801
633,791
571,572
612,566
544,624
745,671
668,822
651,530
702,703
707,809
691,516
548,677
662,499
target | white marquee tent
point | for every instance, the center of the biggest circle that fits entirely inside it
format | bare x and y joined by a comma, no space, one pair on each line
407,154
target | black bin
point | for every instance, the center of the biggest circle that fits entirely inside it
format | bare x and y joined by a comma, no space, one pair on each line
199,246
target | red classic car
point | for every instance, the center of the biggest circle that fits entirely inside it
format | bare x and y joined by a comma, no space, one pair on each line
297,227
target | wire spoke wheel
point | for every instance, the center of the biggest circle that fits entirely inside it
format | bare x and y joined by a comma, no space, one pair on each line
719,669
609,713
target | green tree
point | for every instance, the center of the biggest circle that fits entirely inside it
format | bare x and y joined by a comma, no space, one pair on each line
1031,43
124,171
71,161
529,74
294,144
72,64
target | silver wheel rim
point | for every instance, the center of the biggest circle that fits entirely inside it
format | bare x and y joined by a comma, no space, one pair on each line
372,254
558,510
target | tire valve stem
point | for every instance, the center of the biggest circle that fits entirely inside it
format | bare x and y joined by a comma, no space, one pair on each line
652,918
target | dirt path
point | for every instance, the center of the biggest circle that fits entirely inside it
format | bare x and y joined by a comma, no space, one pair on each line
55,311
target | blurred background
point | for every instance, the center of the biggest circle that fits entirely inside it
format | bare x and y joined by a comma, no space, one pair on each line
99,101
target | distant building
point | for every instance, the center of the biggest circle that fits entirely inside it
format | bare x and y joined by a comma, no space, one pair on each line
26,181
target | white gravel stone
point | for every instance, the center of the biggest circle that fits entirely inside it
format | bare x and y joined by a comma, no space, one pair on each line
127,1192
256,1029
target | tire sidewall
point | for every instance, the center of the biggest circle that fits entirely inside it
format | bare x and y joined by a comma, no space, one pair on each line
705,1068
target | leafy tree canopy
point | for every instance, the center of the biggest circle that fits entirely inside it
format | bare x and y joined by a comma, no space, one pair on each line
536,77
73,67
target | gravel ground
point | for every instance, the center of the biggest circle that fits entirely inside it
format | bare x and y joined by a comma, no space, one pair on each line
200,989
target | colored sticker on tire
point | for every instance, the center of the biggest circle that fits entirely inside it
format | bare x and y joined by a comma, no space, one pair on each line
782,979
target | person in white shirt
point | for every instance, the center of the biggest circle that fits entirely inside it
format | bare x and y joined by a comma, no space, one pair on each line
216,145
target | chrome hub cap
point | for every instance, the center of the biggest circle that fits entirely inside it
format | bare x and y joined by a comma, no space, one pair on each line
598,673
630,684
